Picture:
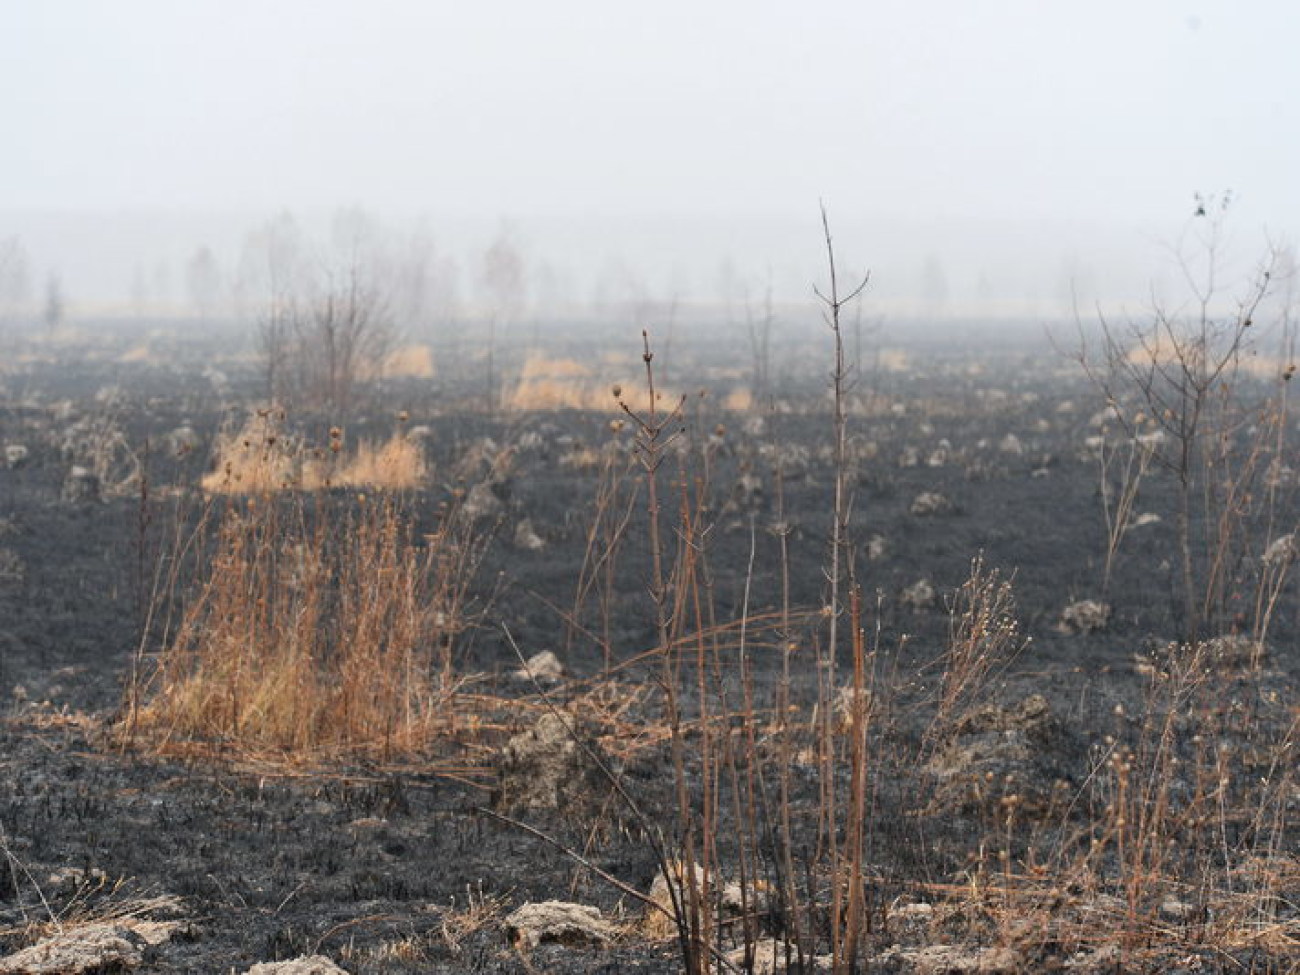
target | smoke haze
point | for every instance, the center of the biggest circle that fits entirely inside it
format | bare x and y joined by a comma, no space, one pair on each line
1010,157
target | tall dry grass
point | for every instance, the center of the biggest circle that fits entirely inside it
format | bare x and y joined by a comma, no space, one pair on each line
266,456
312,621
1176,835
317,625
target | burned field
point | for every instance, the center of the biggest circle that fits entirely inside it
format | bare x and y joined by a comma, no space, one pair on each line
272,694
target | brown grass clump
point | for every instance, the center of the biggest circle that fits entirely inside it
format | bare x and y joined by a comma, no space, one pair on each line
395,465
315,625
739,400
564,384
410,362
263,457
256,459
539,366
554,394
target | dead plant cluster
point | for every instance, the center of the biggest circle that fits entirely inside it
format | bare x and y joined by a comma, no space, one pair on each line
1172,837
265,456
314,621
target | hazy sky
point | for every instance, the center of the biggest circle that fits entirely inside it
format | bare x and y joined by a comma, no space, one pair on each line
1104,113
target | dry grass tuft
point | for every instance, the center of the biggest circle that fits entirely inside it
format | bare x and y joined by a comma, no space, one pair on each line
316,626
564,384
93,902
539,366
739,400
259,458
410,362
396,465
263,458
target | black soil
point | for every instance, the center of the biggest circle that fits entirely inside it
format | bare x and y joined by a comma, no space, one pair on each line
378,865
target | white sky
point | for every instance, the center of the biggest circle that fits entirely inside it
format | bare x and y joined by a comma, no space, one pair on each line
994,114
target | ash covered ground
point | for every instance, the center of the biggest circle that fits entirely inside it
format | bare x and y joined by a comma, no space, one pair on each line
401,866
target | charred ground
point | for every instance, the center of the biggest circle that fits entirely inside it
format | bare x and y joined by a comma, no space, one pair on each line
394,866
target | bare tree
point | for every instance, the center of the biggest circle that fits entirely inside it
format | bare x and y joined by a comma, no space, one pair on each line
350,330
759,327
203,282
324,323
342,338
505,286
139,292
846,852
934,287
1174,381
55,304
15,280
269,276
552,293
161,283
415,282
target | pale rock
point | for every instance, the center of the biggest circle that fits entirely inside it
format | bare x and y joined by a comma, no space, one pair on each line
1172,909
1084,616
774,956
557,922
728,898
542,667
81,948
957,960
920,595
305,965
526,538
930,503
546,767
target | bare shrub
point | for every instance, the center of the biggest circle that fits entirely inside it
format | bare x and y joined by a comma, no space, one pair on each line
325,315
1183,389
984,637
